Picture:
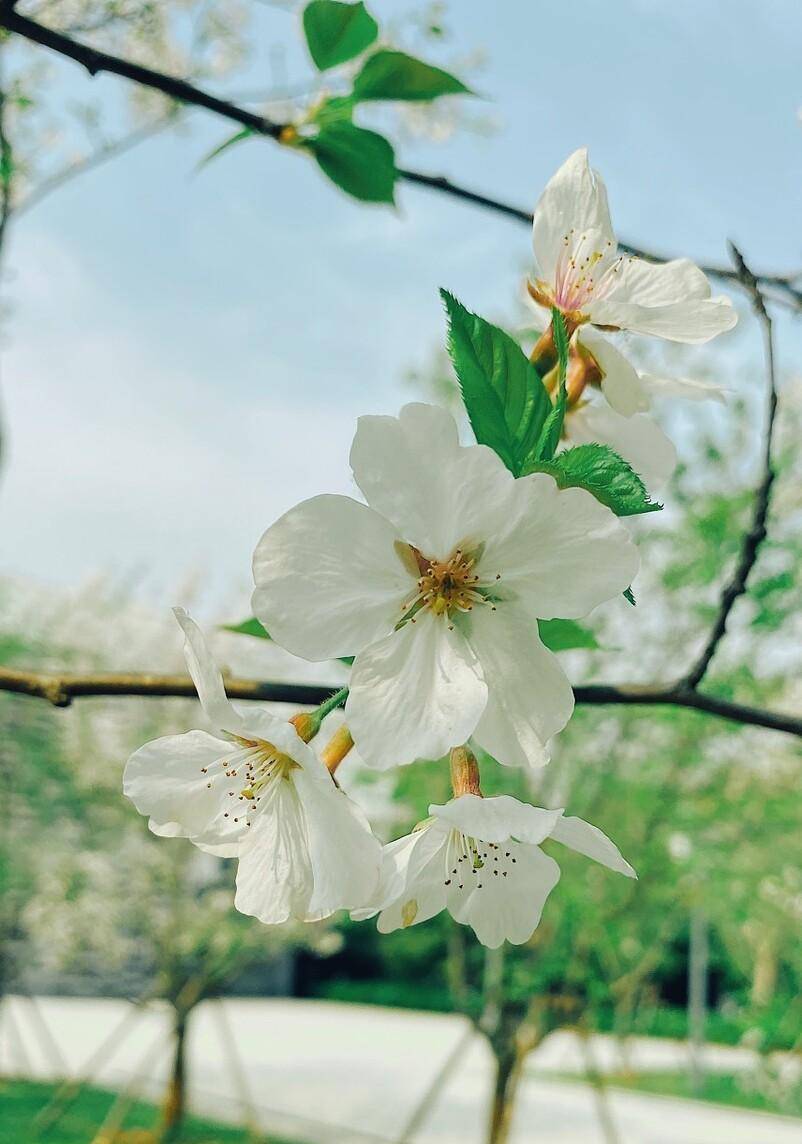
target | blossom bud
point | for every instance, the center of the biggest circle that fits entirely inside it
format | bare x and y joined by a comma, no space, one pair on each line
464,771
307,724
337,748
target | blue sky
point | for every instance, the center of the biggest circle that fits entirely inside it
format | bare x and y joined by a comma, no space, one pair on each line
185,353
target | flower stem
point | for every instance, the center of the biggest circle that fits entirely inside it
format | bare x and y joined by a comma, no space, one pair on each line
308,723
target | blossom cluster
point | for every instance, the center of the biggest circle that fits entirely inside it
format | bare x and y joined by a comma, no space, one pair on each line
433,588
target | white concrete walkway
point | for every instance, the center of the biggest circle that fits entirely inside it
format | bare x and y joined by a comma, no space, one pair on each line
349,1074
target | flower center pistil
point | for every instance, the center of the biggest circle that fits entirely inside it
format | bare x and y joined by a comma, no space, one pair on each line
447,587
248,772
473,864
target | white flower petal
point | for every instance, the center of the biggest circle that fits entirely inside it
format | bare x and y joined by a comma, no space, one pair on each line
590,841
164,780
393,876
658,283
507,908
328,578
638,439
412,470
219,849
274,876
690,322
668,299
529,697
419,880
414,694
689,388
575,197
206,675
497,819
559,551
621,384
345,854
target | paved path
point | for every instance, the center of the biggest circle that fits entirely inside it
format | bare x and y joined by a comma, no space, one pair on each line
351,1074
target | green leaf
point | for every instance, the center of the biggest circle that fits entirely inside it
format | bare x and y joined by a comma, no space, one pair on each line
335,109
395,75
549,439
249,627
605,474
237,137
506,402
629,596
360,162
337,32
563,635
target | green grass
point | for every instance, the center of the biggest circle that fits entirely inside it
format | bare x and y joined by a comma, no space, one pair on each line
739,1090
21,1100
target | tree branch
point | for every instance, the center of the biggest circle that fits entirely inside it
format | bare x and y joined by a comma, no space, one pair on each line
750,546
96,62
782,285
61,688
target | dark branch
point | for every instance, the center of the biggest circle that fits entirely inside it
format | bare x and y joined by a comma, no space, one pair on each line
750,547
61,689
96,62
782,285
680,695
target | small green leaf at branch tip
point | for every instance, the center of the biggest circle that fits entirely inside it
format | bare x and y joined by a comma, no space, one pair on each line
237,137
566,635
391,75
337,32
505,399
629,596
603,473
360,162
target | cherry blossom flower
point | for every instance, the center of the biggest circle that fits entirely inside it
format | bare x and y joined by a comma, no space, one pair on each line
436,586
254,790
609,401
480,859
580,271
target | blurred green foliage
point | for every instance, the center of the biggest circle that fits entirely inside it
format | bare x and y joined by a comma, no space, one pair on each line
20,1101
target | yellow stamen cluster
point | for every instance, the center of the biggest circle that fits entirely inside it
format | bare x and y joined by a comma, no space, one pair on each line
448,586
254,764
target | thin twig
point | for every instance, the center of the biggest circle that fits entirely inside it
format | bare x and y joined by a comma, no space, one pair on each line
96,61
750,546
61,689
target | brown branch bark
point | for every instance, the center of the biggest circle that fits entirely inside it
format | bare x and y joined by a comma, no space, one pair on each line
61,689
95,62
